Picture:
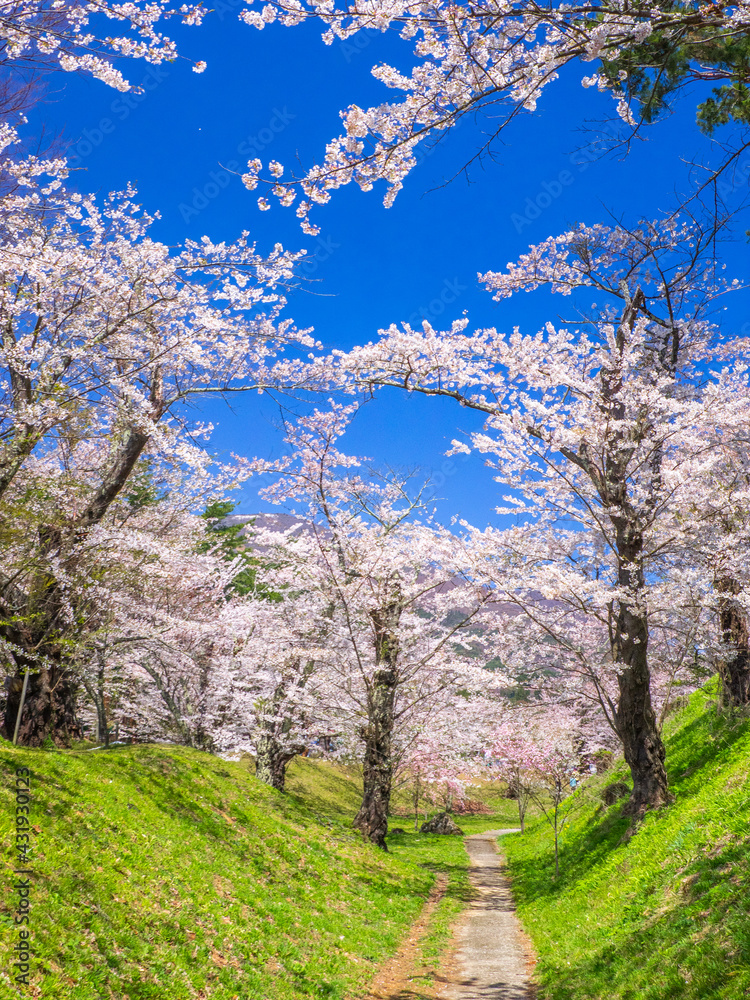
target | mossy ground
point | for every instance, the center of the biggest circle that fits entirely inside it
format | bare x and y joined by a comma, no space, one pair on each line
662,914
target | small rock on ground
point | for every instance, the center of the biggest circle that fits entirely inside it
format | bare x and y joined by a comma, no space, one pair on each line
442,823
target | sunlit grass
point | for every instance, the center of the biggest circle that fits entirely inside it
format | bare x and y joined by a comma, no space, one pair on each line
663,914
162,874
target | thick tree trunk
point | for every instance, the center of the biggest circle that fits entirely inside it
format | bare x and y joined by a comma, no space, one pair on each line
102,723
275,749
271,760
734,664
97,693
635,719
377,775
49,710
642,744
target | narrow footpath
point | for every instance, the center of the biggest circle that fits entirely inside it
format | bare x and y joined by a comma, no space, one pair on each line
492,959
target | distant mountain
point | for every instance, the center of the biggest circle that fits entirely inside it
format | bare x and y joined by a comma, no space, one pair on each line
265,521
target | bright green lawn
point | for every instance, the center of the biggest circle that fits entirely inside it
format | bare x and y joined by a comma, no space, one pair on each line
163,874
665,914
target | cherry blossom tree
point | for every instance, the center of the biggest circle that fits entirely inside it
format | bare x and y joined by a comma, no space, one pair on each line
152,666
115,589
442,755
75,36
177,647
279,678
495,60
397,590
105,336
94,312
594,429
718,515
538,754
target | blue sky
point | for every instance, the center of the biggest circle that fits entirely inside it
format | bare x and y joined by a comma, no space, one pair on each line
279,92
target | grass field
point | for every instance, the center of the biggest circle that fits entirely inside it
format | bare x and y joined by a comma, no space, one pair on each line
161,872
666,913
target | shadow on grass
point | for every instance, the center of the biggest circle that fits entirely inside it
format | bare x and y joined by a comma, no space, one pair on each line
696,947
534,877
715,734
328,792
683,932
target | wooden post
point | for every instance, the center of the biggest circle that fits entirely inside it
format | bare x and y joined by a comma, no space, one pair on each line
20,707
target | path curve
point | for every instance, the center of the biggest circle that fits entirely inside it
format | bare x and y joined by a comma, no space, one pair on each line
492,957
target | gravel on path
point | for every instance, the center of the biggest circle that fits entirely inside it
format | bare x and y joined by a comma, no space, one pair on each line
492,960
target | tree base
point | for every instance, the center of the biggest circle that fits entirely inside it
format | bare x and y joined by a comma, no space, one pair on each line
49,710
372,822
271,761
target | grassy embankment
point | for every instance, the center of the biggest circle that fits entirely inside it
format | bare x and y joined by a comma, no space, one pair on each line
666,913
162,873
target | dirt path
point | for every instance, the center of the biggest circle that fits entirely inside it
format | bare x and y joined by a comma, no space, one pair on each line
396,979
492,959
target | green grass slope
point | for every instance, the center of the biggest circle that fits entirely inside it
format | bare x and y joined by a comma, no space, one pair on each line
164,873
665,914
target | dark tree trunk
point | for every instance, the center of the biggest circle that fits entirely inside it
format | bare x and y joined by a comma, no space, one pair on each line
50,706
635,719
275,748
48,711
271,760
102,722
734,663
97,693
377,776
642,744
